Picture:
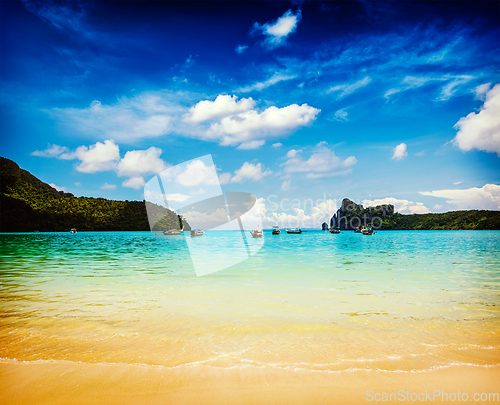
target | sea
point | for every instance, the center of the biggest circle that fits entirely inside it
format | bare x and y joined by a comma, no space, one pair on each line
397,301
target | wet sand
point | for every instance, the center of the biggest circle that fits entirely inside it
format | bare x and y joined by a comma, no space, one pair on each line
80,383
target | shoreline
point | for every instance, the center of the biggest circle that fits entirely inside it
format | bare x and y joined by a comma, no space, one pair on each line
83,383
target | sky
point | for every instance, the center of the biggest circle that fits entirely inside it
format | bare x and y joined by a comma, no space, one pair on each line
300,103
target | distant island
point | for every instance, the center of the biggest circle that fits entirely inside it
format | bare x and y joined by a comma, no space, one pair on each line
351,216
28,204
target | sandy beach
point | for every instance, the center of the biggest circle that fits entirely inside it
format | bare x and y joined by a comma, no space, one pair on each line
73,383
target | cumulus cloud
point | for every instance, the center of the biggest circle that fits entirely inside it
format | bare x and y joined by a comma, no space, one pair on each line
251,172
277,145
96,158
401,206
321,211
258,126
222,106
135,182
346,89
400,152
196,173
137,162
276,32
251,145
107,186
482,130
322,163
486,197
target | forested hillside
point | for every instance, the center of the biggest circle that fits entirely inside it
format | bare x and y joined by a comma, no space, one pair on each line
28,204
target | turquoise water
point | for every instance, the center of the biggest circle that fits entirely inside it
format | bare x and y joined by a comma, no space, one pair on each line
403,300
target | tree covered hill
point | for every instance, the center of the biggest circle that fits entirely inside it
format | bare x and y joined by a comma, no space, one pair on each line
28,204
351,216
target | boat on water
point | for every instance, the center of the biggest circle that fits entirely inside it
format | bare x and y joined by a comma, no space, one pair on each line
173,232
334,230
293,231
73,230
367,231
256,233
357,230
197,232
276,230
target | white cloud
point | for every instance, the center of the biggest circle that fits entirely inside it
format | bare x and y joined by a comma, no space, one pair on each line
143,116
249,171
241,48
276,32
437,207
481,91
322,163
58,188
78,184
346,89
225,178
177,197
51,151
138,162
457,183
276,78
401,206
453,86
481,130
277,145
400,152
136,182
251,145
286,185
340,115
96,158
107,186
486,197
222,106
197,173
321,212
254,126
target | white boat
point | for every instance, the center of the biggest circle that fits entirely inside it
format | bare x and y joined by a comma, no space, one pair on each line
73,230
174,232
256,233
197,232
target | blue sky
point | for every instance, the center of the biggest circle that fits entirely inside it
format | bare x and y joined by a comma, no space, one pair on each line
300,103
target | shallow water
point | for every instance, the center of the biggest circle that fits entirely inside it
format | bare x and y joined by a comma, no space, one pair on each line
396,301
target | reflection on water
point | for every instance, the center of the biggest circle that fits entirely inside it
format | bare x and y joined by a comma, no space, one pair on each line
393,300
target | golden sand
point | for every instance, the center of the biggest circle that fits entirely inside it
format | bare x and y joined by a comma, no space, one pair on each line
80,383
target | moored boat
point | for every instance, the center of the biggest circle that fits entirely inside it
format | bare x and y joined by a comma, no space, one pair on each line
73,230
256,233
197,232
357,230
293,231
367,231
276,230
174,232
334,230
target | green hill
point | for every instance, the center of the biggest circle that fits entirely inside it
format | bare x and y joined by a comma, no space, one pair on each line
351,215
28,204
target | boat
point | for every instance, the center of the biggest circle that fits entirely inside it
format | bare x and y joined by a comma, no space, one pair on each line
334,230
256,233
197,232
357,230
73,230
367,231
173,232
293,231
276,230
